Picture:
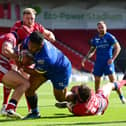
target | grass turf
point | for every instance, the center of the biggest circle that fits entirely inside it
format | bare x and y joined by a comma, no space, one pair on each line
52,116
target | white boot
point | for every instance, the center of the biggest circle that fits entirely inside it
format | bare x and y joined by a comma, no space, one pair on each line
3,110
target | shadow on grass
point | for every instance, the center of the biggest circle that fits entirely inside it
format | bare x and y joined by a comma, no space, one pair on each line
58,116
43,117
65,123
61,115
9,120
90,123
71,123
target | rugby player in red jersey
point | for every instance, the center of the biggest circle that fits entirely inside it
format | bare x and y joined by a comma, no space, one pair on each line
22,29
9,77
86,102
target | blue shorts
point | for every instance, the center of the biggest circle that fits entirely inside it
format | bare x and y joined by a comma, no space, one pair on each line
101,68
60,79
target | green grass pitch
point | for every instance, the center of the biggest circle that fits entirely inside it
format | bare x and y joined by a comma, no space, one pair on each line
52,116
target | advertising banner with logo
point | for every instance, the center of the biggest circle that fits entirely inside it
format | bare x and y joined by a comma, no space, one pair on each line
78,18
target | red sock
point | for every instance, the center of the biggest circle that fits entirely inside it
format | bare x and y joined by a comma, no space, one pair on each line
121,83
28,105
11,106
6,93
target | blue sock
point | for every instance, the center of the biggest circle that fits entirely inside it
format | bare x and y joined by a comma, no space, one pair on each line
121,96
35,110
116,86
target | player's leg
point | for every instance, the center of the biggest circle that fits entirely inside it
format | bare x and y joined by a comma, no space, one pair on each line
35,82
107,88
97,82
119,91
63,94
60,90
98,72
121,83
110,71
25,75
124,77
63,97
14,80
60,81
118,85
6,93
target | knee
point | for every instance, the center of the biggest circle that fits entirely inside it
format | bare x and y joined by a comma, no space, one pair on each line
26,85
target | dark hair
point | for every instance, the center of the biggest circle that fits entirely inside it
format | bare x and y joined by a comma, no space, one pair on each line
36,37
84,92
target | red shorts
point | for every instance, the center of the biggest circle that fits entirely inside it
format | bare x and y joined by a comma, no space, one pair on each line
4,66
103,102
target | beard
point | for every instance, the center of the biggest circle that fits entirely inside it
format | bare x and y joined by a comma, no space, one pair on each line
102,33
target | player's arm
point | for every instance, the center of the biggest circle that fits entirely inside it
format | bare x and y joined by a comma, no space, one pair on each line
89,54
49,35
33,71
8,50
29,70
117,50
70,106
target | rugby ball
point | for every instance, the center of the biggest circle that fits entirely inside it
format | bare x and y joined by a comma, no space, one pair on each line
26,58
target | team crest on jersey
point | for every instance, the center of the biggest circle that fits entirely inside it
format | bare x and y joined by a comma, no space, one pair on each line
61,84
41,61
97,40
105,41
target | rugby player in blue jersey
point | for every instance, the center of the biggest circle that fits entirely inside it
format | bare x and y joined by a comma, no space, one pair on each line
107,49
50,64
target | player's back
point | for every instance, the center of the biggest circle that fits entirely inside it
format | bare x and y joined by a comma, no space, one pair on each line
49,58
53,58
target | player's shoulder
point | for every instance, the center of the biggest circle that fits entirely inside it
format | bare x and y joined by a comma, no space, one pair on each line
18,23
95,37
109,35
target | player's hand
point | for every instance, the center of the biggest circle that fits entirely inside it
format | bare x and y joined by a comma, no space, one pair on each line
83,62
110,61
52,38
70,106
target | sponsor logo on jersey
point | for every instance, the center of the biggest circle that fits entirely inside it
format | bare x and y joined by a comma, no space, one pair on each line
40,61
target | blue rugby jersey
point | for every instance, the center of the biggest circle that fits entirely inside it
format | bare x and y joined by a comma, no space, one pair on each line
104,46
49,60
